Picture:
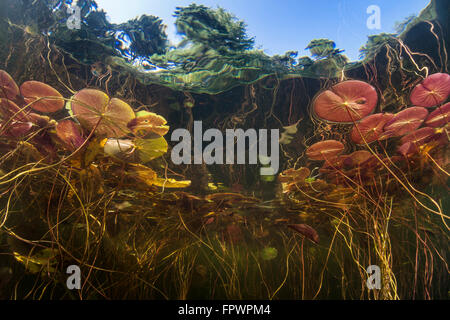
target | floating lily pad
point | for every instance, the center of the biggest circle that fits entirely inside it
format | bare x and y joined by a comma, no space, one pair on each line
439,117
433,90
324,150
370,128
8,87
346,101
18,129
404,122
412,142
149,149
171,183
109,117
10,110
42,97
147,123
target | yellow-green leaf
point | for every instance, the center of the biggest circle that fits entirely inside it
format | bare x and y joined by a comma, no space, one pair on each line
171,183
149,149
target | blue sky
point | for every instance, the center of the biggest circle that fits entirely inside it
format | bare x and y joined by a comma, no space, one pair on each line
282,25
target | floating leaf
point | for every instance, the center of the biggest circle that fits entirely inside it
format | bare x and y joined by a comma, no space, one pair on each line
147,123
404,122
370,128
439,117
8,87
42,97
10,110
432,91
412,142
324,150
149,149
347,101
171,183
94,109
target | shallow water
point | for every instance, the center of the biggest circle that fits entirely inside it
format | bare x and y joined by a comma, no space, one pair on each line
93,173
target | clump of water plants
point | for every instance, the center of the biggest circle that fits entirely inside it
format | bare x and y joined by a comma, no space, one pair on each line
391,151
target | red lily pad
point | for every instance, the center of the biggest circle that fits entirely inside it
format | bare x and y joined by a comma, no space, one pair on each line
17,129
370,128
324,150
439,117
8,87
405,122
357,158
42,97
407,148
70,134
94,109
346,101
420,136
411,143
9,109
433,90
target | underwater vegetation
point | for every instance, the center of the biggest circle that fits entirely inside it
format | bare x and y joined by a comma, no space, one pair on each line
86,177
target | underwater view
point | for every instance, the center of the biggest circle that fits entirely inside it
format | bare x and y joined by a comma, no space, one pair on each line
148,159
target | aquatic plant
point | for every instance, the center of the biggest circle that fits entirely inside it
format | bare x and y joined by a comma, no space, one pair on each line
370,128
325,150
347,101
433,90
405,121
439,117
373,173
